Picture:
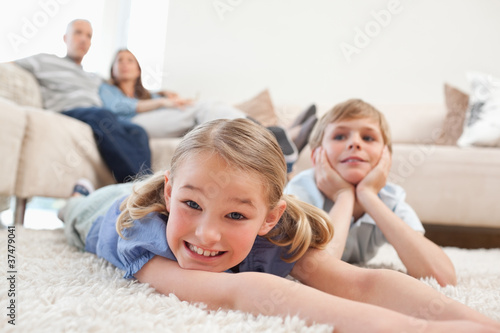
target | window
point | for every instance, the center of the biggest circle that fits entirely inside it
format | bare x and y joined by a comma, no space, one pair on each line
38,26
147,36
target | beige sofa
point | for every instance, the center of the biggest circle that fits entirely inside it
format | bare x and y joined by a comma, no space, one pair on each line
45,153
446,185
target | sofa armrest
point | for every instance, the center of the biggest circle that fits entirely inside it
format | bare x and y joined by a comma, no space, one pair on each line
19,85
448,185
12,129
56,152
162,151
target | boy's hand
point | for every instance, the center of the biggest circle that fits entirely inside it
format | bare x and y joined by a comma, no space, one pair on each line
376,179
327,178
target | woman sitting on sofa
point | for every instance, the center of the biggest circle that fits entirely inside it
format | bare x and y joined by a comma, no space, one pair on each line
165,114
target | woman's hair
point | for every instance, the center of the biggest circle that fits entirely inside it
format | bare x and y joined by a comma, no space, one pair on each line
350,109
251,148
139,91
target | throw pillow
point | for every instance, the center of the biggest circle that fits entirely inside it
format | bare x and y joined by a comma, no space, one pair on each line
260,108
482,124
456,105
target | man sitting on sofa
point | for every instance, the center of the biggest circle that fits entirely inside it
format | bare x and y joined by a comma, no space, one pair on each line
68,89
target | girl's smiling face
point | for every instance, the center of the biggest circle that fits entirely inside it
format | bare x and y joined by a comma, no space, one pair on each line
353,147
215,213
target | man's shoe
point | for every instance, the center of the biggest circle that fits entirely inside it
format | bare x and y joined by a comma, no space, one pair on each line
302,138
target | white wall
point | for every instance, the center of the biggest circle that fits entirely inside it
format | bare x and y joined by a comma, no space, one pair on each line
34,26
231,49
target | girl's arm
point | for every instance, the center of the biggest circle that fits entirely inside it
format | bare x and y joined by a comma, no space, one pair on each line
381,287
265,294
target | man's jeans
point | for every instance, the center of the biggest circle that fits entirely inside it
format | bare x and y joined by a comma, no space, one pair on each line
124,146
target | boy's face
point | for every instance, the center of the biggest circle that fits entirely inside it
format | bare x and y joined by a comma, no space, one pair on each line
353,147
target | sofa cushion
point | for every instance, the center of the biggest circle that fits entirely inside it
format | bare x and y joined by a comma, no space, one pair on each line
20,86
449,185
260,108
456,107
482,125
162,151
13,121
414,123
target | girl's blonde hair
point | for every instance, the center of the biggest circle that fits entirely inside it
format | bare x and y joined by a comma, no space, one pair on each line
250,148
350,109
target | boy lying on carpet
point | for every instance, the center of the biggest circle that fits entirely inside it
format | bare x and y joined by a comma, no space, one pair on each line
351,146
216,228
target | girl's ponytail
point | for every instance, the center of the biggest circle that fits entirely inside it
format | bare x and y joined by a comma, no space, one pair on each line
302,226
146,197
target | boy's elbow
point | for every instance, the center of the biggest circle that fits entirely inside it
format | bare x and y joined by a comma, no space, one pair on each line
446,276
445,273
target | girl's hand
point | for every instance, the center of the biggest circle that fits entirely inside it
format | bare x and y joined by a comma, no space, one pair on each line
327,178
376,179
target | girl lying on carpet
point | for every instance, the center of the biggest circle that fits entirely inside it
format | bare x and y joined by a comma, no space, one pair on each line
216,228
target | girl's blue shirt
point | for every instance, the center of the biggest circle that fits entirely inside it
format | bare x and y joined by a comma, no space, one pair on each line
147,238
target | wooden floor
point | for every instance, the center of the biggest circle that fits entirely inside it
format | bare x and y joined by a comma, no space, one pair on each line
464,237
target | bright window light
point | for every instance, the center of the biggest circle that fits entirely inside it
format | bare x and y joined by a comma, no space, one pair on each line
37,26
147,36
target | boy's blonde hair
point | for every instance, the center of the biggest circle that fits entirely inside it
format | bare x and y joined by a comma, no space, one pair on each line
350,109
250,148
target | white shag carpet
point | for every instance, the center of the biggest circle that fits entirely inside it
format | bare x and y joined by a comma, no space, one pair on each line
59,289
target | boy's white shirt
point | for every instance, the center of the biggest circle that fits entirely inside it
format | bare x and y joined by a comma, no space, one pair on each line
364,237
